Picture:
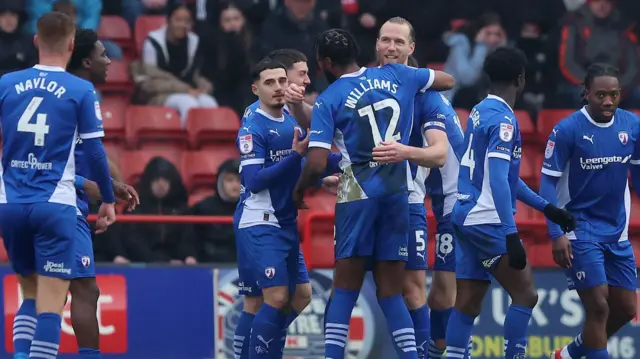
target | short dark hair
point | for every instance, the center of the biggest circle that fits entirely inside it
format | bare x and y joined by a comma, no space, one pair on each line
54,29
597,70
505,65
288,57
338,45
85,43
265,64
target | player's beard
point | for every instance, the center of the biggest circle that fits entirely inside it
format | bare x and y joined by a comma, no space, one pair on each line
277,106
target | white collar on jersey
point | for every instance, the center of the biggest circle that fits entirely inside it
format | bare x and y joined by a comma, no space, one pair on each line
263,113
597,124
498,98
355,74
48,68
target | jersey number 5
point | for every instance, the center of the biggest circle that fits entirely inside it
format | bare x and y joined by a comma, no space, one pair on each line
468,157
40,128
370,112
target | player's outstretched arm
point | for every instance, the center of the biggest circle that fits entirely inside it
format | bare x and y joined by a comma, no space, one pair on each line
561,247
301,111
527,196
443,81
435,155
313,169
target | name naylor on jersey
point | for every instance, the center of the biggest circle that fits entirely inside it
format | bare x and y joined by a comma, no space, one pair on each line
42,84
277,156
598,163
366,86
32,163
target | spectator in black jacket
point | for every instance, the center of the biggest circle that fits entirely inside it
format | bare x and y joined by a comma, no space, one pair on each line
18,51
216,242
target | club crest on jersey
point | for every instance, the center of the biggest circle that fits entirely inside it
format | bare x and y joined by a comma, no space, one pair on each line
548,152
506,132
270,272
623,136
86,261
246,143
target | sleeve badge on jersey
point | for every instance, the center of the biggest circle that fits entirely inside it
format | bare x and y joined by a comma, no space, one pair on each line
548,152
623,136
98,111
246,144
506,132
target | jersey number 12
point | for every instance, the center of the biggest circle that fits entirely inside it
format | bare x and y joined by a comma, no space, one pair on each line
370,112
40,128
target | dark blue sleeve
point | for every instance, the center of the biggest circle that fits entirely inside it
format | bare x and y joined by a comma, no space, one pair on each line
97,160
527,196
79,183
498,180
258,178
548,191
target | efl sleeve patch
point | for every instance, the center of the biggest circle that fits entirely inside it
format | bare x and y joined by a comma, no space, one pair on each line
506,132
246,144
548,152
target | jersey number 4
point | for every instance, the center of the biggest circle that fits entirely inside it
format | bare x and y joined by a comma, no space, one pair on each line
40,128
370,112
468,157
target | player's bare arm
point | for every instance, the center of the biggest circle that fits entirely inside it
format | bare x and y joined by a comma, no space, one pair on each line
443,81
311,172
435,155
123,192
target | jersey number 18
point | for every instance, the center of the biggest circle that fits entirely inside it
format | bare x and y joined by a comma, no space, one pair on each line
370,112
40,128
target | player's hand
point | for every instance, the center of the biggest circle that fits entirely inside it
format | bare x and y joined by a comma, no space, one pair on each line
298,199
126,193
561,250
390,152
294,94
121,260
330,184
106,217
300,146
561,217
516,252
190,260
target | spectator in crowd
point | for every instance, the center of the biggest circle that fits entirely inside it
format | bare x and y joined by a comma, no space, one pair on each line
216,242
18,51
172,63
131,9
363,20
533,43
86,14
229,58
468,47
295,26
597,32
162,192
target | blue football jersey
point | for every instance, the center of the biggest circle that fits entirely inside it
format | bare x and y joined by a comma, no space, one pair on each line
251,109
442,183
264,141
492,131
592,161
359,111
43,110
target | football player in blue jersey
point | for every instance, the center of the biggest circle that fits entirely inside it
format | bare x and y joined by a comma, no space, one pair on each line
271,151
43,109
428,148
361,109
483,216
585,170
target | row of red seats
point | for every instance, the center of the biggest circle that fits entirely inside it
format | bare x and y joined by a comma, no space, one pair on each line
139,124
117,30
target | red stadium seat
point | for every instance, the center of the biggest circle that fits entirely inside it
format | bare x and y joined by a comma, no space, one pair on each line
134,162
118,79
114,151
199,195
527,129
547,119
200,168
322,253
113,112
144,25
212,124
527,171
540,255
154,124
3,252
116,29
321,201
463,116
439,66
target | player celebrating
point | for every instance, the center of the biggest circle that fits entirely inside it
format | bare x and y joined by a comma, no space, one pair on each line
265,220
585,170
42,110
361,109
395,44
488,185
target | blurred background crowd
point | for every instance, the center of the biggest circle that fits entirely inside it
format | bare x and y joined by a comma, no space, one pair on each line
186,64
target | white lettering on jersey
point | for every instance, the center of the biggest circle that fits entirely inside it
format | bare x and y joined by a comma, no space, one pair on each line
506,132
279,155
598,163
366,86
32,163
246,144
42,84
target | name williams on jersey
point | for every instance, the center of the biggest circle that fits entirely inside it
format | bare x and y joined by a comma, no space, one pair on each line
367,85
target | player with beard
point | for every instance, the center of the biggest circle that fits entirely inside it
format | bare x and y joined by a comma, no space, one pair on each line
362,109
586,167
